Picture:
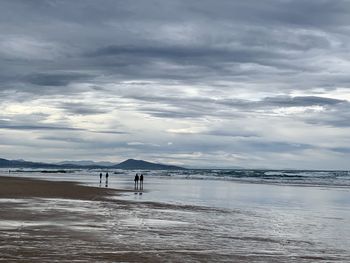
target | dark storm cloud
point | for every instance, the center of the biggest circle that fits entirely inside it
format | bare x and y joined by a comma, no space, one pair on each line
229,133
192,107
278,101
197,63
176,113
10,126
302,101
338,116
197,55
21,127
55,79
270,12
341,150
35,121
256,43
127,41
111,132
184,107
82,108
64,139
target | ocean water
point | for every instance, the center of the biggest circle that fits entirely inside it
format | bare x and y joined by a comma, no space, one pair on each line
207,215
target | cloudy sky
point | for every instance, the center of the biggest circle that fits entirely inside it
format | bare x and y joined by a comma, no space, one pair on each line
199,83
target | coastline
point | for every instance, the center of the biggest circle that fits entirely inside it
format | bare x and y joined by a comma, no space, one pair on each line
58,221
51,221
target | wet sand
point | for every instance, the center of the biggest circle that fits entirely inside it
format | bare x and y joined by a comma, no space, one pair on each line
44,221
14,187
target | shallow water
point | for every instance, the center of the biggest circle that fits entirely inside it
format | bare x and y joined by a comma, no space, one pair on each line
204,221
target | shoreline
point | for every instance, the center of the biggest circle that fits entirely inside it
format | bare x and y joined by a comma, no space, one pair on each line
63,222
60,221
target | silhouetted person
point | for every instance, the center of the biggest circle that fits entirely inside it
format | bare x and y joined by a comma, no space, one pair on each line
141,181
136,181
107,179
100,178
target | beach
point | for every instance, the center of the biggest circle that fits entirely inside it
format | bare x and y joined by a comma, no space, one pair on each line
14,188
44,221
55,221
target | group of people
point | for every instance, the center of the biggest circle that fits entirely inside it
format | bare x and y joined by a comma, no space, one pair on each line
106,179
137,179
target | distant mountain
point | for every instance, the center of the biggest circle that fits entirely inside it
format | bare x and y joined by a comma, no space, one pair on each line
4,162
24,164
86,163
132,164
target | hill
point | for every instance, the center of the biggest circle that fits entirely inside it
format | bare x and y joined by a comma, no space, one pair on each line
129,164
86,163
132,164
24,164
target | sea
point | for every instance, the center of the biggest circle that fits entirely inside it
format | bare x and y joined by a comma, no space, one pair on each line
213,215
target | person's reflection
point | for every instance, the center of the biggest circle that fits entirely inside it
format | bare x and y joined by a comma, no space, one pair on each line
141,182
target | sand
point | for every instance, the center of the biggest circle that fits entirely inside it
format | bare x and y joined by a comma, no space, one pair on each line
45,221
13,187
30,231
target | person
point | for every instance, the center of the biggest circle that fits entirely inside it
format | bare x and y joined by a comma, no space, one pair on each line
100,178
106,179
141,181
136,181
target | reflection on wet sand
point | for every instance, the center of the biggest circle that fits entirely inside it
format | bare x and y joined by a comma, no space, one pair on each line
38,229
109,231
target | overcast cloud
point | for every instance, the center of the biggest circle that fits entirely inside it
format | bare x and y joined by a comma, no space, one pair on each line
256,84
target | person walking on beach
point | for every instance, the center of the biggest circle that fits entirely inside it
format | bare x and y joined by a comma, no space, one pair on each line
141,182
100,178
136,181
107,179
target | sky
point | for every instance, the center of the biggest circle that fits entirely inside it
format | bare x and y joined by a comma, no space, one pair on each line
196,83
